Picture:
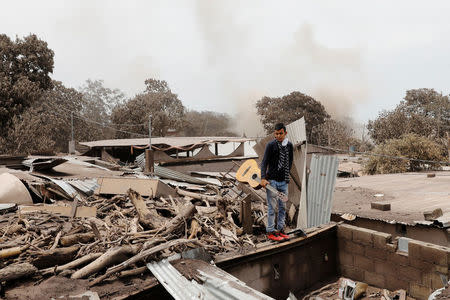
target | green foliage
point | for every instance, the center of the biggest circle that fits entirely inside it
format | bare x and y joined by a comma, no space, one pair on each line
409,146
290,108
207,123
25,65
423,112
166,110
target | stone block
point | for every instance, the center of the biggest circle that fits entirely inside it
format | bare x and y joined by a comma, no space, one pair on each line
398,258
383,206
344,231
371,252
409,273
364,263
381,240
419,291
363,236
393,282
352,272
346,258
375,279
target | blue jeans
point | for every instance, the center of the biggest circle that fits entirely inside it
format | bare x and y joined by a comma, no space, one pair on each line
272,203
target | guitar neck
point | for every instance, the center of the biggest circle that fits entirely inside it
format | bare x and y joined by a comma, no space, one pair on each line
272,189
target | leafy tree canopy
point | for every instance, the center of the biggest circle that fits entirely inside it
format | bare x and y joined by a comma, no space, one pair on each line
423,112
25,65
165,108
289,108
207,123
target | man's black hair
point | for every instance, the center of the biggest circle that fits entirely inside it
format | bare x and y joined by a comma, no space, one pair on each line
280,126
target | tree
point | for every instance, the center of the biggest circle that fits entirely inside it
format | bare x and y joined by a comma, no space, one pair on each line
290,108
46,125
165,108
25,65
411,146
98,104
207,123
423,112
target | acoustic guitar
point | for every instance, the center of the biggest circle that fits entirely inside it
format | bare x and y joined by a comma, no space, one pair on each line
250,173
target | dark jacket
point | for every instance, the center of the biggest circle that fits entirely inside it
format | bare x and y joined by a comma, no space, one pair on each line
269,164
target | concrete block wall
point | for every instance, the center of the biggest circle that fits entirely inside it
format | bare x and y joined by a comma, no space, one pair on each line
372,257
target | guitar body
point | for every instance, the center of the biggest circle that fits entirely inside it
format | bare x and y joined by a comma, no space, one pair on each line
250,173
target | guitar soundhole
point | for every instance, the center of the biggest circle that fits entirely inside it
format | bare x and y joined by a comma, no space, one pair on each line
254,176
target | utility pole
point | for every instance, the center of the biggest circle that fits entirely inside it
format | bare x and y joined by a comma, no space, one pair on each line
149,157
72,141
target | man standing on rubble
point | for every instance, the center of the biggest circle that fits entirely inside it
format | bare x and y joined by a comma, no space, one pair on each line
275,169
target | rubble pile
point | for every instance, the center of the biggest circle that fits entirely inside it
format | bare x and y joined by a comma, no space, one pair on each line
108,236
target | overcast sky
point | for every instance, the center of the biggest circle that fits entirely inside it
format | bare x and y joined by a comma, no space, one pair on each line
356,57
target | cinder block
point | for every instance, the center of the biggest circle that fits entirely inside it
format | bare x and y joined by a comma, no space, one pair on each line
346,258
344,231
419,291
380,205
381,240
424,266
364,263
398,258
432,280
352,272
374,279
350,247
384,267
435,254
409,273
414,247
395,283
363,236
375,253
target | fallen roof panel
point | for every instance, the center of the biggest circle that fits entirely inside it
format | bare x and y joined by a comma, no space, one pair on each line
215,283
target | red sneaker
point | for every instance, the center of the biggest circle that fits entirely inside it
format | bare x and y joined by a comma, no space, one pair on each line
272,236
284,236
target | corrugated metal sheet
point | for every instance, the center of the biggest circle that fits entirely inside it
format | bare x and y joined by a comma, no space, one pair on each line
217,285
296,131
174,142
66,188
171,174
36,164
87,186
320,188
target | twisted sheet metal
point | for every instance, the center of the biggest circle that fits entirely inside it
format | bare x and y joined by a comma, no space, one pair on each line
215,285
320,188
296,131
87,186
171,174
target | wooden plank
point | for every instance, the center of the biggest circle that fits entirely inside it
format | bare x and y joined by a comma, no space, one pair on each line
145,187
82,212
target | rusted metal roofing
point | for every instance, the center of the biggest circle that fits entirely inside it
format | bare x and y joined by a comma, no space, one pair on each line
215,283
320,188
166,143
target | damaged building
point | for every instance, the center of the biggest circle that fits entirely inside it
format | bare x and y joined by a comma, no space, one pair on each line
98,225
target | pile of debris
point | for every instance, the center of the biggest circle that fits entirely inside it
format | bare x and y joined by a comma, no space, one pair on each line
101,235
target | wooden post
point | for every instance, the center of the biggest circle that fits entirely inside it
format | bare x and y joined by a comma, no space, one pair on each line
149,161
246,214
